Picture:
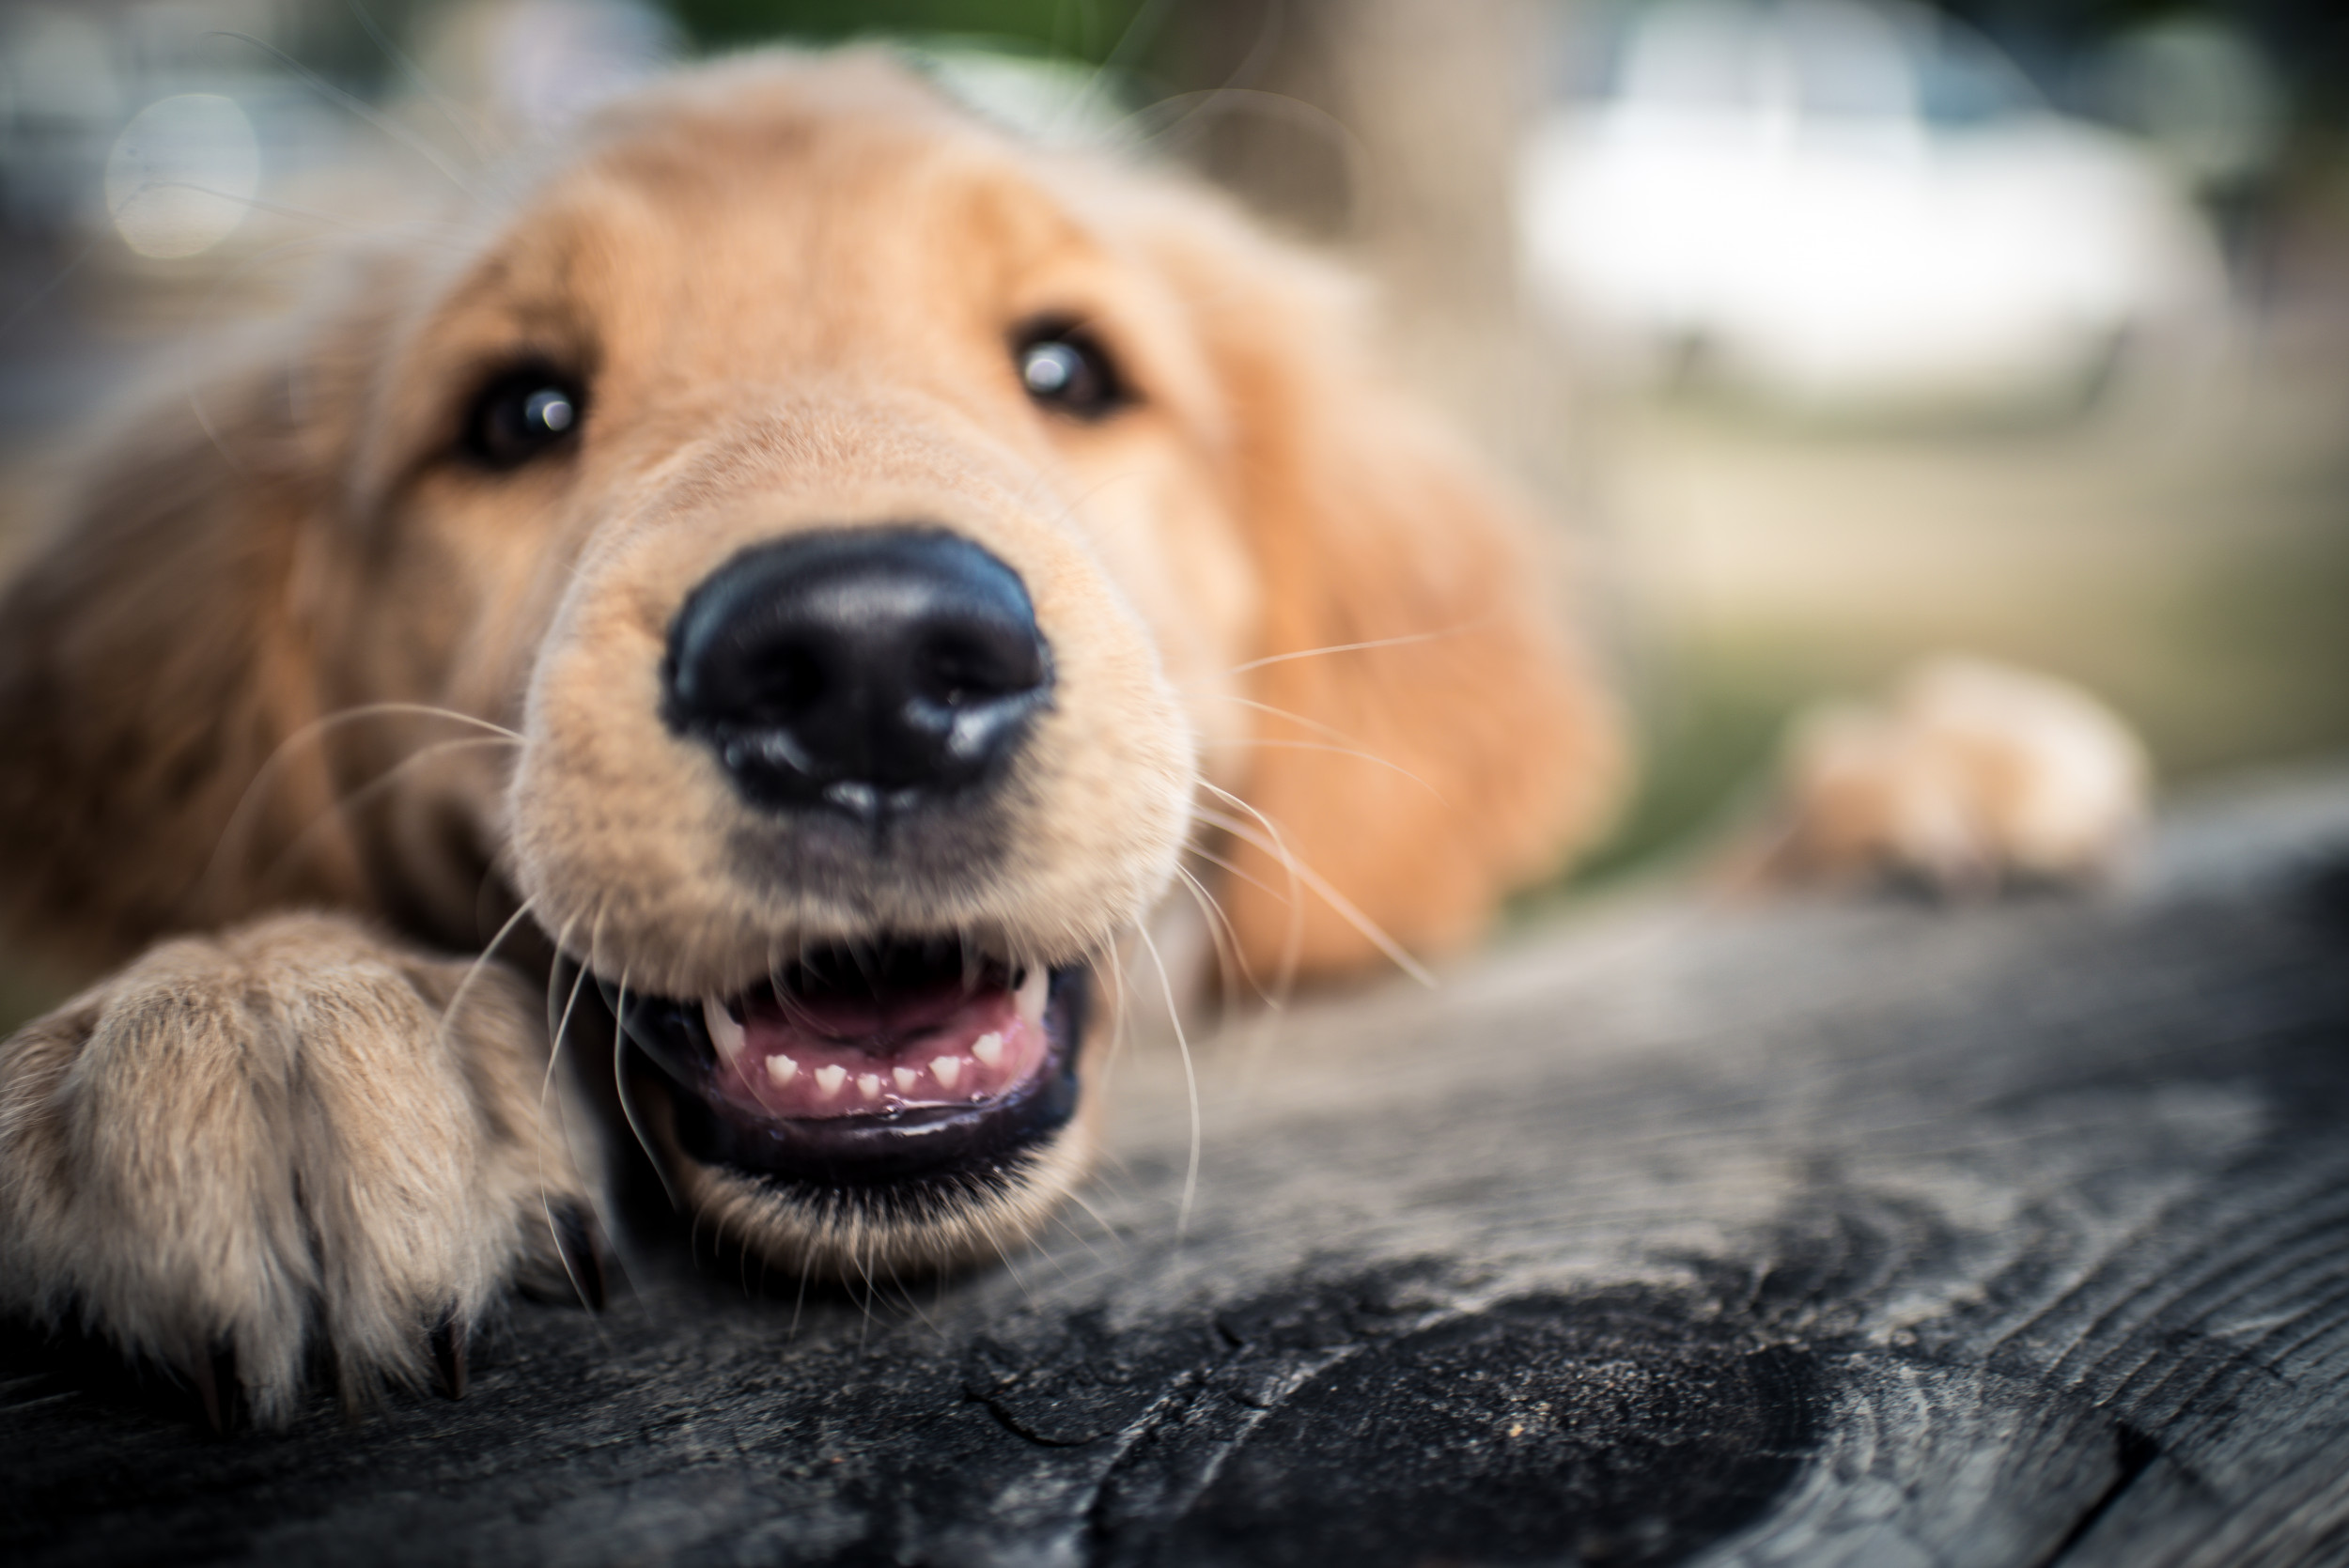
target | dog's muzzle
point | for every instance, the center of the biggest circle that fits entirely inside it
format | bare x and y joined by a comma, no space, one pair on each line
864,688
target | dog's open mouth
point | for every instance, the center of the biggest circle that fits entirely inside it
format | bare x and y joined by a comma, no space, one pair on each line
868,1063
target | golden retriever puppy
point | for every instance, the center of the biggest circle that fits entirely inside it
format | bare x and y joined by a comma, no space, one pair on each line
823,569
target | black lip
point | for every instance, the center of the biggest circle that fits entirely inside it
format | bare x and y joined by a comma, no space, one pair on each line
857,1152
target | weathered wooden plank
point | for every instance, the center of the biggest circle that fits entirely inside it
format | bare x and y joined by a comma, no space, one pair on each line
1770,1235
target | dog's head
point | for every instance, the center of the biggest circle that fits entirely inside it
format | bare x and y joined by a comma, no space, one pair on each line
896,548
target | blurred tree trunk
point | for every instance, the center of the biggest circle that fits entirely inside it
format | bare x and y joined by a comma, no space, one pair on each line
1388,130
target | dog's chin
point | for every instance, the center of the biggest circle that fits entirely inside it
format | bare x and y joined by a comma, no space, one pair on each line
903,1094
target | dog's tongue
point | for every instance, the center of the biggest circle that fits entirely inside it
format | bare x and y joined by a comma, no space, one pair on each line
866,1018
862,1053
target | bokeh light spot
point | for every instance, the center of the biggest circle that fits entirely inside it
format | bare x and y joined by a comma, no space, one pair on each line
182,174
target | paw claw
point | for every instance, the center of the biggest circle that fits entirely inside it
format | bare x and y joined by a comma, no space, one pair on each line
214,1375
583,1259
448,1354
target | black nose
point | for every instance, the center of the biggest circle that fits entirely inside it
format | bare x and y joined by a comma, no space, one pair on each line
865,669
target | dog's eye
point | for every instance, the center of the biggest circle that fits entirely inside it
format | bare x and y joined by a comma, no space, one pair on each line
1064,368
522,414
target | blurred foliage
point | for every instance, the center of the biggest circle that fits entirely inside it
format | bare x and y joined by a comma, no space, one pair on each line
1077,29
1707,717
2307,40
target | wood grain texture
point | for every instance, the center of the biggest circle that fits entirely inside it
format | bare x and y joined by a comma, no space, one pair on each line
1796,1234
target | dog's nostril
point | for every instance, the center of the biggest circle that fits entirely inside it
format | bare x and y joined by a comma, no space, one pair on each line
856,669
964,666
783,685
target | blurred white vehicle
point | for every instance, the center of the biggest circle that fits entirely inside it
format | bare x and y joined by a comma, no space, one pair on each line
1840,204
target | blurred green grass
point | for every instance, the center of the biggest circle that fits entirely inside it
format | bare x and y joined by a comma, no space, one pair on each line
1088,30
2190,567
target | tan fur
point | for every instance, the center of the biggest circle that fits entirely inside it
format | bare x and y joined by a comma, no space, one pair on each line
1467,752
791,284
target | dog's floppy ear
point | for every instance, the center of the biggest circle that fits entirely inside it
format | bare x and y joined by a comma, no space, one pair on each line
1413,782
154,655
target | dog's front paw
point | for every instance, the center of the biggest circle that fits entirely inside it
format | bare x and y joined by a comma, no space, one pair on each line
296,1139
1973,777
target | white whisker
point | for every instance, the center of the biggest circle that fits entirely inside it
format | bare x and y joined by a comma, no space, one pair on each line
211,307
1347,742
238,816
1404,641
620,1048
807,1262
467,133
359,108
1190,1081
1293,938
56,280
1228,956
1124,1007
1334,751
1232,868
996,1241
561,1027
261,204
1140,30
907,1296
420,710
1106,1229
368,791
1320,885
864,1272
473,971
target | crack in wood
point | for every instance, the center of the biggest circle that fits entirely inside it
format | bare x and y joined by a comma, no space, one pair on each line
2134,1454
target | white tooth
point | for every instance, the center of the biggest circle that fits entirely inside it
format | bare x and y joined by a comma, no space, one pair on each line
946,1069
781,1070
1036,988
989,1048
905,1077
868,1085
830,1078
725,1032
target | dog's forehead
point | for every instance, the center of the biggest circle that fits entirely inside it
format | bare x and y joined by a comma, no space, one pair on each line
745,236
759,223
711,210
